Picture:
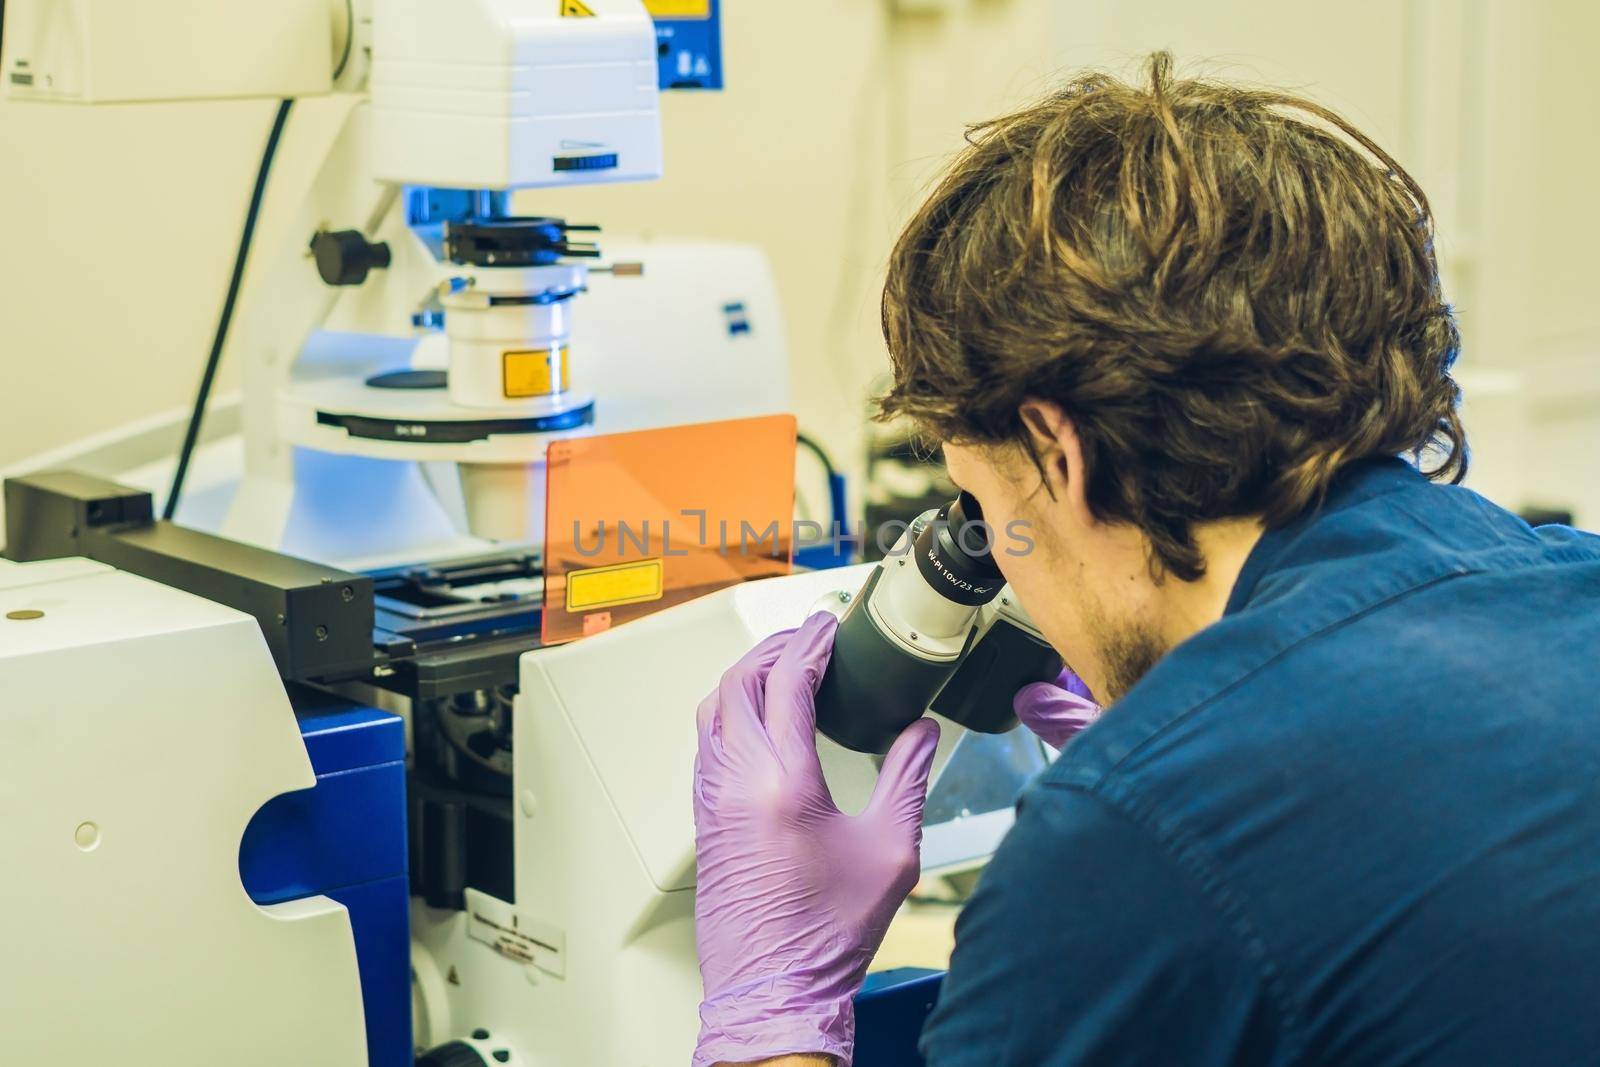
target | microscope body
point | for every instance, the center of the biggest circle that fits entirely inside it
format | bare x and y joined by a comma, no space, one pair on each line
934,628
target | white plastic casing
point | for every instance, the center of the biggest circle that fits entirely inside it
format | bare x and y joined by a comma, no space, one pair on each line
488,94
113,51
1006,606
604,835
141,728
482,333
914,614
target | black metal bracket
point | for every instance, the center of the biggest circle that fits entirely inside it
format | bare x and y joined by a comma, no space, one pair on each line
317,620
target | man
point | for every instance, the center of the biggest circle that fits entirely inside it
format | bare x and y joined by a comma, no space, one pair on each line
1343,805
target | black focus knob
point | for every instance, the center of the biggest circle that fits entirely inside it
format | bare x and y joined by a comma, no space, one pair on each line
344,257
453,1054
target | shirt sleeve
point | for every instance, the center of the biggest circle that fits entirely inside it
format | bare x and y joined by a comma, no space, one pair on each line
1087,943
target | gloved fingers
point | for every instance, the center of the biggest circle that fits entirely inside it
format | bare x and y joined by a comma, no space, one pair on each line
1047,698
1034,694
792,690
1054,714
902,786
731,718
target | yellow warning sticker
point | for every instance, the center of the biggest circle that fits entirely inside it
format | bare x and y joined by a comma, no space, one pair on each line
526,372
678,9
620,583
576,9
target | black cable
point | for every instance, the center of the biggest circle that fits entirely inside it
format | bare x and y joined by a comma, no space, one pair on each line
810,443
349,36
192,434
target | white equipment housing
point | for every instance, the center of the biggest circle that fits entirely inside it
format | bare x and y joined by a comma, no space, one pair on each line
654,350
604,839
905,607
117,51
133,929
140,729
497,94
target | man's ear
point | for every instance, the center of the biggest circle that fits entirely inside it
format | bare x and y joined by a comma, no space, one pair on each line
1055,441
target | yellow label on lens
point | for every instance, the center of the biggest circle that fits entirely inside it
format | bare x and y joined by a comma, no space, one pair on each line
533,371
619,583
678,9
576,9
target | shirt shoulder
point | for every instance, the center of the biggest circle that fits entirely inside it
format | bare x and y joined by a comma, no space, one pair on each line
1085,928
1407,669
1391,538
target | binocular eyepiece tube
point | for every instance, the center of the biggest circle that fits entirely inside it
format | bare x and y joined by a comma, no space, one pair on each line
925,614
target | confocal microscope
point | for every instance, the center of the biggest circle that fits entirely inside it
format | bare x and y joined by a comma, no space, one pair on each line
355,723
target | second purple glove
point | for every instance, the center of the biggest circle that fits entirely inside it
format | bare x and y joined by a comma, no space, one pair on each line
792,896
1055,711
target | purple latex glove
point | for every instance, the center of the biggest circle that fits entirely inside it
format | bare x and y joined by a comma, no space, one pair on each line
1055,711
792,897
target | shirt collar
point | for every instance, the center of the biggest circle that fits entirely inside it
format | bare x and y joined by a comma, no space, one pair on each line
1356,483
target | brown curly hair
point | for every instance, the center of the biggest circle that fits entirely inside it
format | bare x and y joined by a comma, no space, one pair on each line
1232,293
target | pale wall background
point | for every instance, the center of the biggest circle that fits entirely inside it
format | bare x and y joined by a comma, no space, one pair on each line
119,224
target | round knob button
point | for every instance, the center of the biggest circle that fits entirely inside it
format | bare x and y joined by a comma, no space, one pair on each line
344,257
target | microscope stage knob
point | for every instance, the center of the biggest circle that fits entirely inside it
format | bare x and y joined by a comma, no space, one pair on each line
344,257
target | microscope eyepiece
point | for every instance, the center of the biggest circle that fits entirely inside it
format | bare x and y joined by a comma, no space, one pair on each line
910,628
954,553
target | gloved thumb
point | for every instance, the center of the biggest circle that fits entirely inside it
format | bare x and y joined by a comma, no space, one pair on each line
903,781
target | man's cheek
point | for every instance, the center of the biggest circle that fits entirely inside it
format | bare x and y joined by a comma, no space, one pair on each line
1015,539
1015,561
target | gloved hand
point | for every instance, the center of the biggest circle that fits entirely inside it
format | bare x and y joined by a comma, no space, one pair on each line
792,897
1055,711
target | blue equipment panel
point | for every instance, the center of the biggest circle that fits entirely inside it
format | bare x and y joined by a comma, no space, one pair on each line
688,42
837,546
890,1011
345,838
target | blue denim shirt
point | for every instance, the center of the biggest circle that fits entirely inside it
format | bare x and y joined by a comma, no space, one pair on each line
1356,821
